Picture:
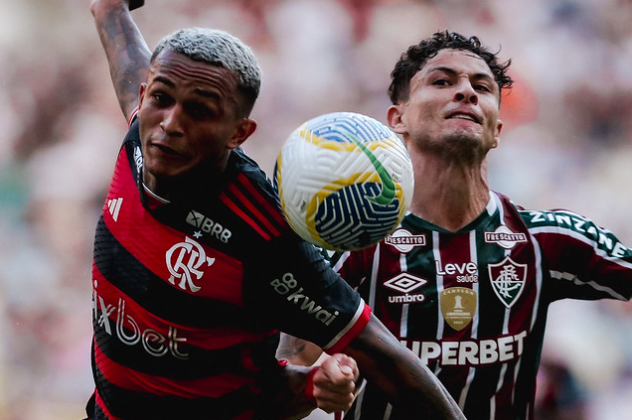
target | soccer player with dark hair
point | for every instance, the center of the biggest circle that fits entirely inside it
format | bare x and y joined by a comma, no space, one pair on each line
466,280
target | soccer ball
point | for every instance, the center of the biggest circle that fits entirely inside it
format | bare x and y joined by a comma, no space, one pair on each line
344,181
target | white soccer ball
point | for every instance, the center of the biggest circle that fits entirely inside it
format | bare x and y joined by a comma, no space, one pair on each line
344,181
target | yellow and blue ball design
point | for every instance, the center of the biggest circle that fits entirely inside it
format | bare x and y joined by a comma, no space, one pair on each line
344,181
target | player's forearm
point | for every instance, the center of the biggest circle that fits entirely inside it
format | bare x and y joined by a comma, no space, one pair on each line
125,49
298,351
408,383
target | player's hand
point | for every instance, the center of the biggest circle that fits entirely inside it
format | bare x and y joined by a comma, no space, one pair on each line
335,383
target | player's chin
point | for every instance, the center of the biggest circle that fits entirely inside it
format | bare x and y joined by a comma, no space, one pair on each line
168,169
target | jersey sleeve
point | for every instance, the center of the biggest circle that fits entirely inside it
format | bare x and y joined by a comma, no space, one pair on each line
292,288
583,260
353,266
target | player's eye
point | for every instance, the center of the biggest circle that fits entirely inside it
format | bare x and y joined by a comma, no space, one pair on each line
161,99
440,82
199,111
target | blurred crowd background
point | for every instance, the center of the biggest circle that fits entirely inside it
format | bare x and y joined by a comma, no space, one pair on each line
567,142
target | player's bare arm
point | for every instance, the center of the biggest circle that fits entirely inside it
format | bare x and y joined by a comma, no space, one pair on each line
125,48
401,375
298,351
384,361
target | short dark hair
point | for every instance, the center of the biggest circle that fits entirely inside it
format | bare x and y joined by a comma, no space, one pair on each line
417,55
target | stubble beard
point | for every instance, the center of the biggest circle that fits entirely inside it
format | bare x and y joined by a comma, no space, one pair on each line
462,146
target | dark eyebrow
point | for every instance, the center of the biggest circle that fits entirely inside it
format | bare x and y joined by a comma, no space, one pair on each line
207,94
452,72
164,81
201,92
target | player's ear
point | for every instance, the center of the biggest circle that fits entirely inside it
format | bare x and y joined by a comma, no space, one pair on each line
141,93
499,128
394,118
245,128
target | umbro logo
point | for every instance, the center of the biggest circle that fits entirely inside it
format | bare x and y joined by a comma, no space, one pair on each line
405,282
114,206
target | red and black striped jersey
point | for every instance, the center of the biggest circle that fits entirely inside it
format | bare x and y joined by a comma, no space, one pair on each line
189,295
473,304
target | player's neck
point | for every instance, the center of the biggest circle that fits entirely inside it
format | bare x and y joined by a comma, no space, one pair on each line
186,185
448,194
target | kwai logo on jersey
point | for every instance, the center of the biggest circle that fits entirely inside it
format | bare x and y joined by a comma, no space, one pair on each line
458,305
404,241
405,283
504,237
184,261
508,280
286,286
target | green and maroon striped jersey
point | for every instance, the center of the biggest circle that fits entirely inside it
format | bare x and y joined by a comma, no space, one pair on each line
472,304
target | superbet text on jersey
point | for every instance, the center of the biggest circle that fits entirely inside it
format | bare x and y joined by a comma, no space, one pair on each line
472,304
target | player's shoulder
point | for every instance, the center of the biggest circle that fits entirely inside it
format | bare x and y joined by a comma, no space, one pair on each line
133,133
251,193
554,219
248,171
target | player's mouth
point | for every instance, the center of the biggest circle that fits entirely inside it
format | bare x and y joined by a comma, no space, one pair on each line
464,116
167,150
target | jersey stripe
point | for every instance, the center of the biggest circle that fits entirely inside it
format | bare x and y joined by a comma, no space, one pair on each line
156,295
214,386
202,337
230,204
272,211
103,408
257,214
235,404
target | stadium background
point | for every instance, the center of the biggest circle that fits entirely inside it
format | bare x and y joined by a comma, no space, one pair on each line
567,143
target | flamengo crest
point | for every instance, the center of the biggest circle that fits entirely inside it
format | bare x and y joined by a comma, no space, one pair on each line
508,280
186,260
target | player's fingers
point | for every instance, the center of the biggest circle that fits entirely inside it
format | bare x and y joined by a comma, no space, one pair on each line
333,390
338,371
334,405
343,364
348,366
332,400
